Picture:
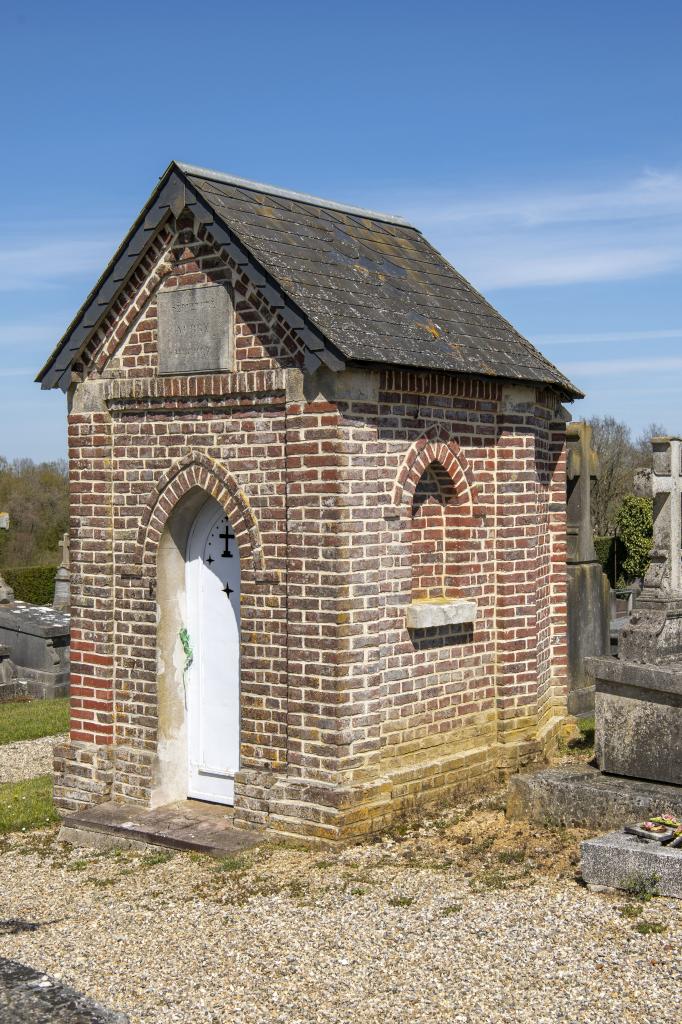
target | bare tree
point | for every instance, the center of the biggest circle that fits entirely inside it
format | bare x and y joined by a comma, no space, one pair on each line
36,495
617,455
643,444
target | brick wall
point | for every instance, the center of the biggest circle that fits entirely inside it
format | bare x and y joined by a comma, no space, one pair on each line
350,495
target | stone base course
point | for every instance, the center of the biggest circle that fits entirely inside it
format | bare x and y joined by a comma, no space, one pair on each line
581,796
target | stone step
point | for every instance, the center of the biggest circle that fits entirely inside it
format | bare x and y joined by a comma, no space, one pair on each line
187,825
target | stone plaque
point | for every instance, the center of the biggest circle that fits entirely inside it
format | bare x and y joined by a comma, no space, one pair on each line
195,329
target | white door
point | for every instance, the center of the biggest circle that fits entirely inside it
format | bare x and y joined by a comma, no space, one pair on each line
213,677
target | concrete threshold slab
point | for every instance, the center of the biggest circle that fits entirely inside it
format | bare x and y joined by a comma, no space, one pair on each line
187,825
580,795
621,861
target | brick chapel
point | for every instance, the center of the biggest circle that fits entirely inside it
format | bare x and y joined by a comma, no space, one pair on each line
317,518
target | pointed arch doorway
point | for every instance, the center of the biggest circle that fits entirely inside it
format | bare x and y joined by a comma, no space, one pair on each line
212,578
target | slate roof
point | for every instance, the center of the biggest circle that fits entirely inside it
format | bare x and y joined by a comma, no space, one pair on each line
368,284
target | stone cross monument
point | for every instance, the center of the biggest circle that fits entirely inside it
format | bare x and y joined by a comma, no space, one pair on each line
6,593
639,695
664,484
588,591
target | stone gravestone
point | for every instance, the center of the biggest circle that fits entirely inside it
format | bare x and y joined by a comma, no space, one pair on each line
62,582
639,694
588,591
6,592
195,329
34,648
7,670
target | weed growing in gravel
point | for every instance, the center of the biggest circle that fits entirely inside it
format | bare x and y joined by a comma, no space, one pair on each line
236,864
493,879
401,901
642,886
297,889
453,908
650,927
511,856
78,865
149,860
322,865
630,910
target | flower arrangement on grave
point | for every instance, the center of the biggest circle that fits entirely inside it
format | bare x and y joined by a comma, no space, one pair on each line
664,828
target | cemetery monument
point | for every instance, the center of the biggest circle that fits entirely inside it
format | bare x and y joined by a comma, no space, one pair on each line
318,555
588,593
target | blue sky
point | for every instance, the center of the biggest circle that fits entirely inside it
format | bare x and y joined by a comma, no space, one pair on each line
538,145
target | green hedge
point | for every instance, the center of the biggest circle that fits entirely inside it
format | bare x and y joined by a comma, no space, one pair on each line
611,552
32,583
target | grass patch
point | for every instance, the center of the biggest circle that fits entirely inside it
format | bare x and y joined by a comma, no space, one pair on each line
31,719
649,927
27,804
400,901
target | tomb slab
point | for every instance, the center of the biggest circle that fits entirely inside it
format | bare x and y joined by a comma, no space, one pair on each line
617,860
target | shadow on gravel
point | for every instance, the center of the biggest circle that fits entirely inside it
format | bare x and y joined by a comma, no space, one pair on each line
29,997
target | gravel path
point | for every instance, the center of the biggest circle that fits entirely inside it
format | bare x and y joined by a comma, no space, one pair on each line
27,758
467,919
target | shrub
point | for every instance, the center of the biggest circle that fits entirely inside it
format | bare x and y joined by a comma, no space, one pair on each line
611,553
635,524
32,583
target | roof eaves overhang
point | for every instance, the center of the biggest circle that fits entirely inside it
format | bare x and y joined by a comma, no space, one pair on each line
172,195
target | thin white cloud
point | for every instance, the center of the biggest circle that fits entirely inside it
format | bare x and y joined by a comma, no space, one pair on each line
28,333
650,194
597,337
558,236
614,367
51,262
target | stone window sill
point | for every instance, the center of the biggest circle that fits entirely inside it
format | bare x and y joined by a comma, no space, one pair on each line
431,614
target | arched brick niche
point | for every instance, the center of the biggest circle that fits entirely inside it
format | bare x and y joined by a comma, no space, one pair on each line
437,483
432,506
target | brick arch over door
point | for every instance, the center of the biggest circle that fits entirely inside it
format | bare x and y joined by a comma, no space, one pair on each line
436,447
196,470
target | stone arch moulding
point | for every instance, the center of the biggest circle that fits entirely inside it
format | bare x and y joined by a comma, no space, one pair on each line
198,470
435,446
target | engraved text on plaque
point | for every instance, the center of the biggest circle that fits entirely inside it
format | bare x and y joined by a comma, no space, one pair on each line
195,329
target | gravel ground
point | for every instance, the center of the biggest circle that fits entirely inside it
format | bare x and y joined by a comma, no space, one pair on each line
27,758
465,918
